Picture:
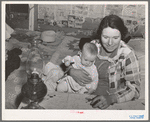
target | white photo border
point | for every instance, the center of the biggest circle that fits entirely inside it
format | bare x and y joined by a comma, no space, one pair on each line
66,114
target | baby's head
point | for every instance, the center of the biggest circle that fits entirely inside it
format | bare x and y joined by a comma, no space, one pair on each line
88,54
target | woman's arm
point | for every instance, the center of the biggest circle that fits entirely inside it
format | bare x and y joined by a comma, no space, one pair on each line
131,78
132,81
79,75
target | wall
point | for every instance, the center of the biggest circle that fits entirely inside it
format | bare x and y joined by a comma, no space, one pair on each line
88,16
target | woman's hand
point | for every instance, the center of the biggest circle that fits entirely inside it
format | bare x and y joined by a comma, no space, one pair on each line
80,76
103,102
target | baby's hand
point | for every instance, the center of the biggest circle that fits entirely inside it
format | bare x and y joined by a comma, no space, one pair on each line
91,91
67,63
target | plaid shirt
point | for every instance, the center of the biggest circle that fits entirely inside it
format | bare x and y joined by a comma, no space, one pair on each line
124,74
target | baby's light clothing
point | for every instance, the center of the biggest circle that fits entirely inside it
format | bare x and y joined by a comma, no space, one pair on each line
72,85
52,73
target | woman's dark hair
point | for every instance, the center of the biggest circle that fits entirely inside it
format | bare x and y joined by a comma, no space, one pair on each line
83,41
114,22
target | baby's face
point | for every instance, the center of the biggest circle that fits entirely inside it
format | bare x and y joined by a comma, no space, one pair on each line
87,60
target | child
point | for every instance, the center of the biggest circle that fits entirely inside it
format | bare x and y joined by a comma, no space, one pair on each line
86,61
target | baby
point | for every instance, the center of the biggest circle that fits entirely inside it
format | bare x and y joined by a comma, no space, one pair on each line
84,60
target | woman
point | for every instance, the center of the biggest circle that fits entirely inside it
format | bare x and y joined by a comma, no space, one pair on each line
117,65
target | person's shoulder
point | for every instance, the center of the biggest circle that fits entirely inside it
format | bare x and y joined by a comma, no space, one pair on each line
76,58
126,50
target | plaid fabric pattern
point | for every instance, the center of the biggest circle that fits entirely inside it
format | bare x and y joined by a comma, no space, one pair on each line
124,74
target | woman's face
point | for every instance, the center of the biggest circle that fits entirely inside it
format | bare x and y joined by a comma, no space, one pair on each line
110,39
